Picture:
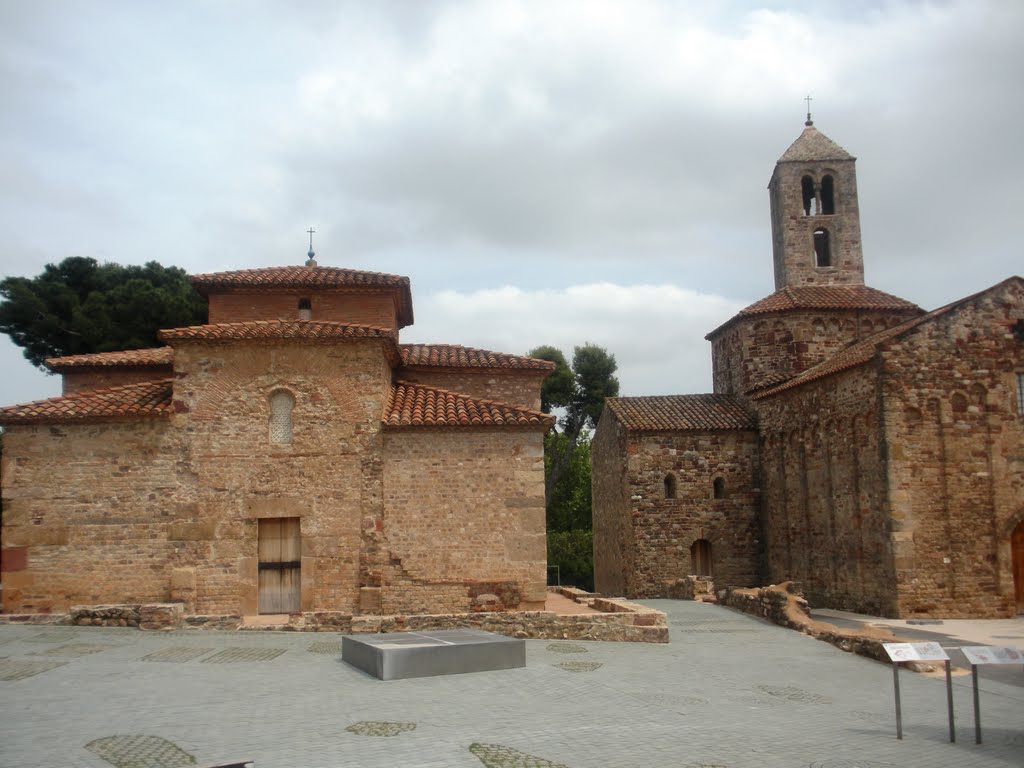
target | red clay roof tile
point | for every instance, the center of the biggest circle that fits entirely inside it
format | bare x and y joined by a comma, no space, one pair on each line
128,358
275,330
681,412
852,297
414,405
325,278
151,398
457,356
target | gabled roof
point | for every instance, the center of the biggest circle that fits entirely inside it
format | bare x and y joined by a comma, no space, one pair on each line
812,145
152,357
316,277
863,351
830,297
457,356
151,398
681,412
275,330
414,405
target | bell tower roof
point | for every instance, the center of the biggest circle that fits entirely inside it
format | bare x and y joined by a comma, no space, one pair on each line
814,146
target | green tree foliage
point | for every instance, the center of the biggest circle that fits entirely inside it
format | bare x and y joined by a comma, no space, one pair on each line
578,394
81,306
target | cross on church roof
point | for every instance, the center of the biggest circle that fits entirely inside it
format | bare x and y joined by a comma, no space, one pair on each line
808,99
311,262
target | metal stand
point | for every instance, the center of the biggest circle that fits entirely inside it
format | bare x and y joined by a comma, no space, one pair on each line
896,688
949,702
977,706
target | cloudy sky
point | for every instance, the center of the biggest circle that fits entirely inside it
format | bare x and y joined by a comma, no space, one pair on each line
552,172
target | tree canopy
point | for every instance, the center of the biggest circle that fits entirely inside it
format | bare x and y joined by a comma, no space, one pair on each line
81,306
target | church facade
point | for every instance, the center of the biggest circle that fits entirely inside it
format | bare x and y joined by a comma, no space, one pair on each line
290,455
854,442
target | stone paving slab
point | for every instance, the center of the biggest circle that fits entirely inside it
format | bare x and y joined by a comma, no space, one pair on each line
766,698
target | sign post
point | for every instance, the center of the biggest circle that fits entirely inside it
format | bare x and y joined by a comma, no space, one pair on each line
900,653
979,655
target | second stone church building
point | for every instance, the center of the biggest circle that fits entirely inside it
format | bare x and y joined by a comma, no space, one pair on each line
290,455
854,442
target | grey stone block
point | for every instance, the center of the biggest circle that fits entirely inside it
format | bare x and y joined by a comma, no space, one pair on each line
398,655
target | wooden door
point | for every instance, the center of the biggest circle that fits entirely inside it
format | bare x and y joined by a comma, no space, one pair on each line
280,547
1017,544
700,557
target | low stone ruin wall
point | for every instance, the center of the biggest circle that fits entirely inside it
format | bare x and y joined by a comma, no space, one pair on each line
623,621
700,588
784,604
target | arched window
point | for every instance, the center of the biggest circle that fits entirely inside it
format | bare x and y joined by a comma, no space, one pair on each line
670,486
810,199
700,557
822,253
719,487
281,405
828,195
305,309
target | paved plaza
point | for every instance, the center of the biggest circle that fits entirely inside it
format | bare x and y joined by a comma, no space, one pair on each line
729,690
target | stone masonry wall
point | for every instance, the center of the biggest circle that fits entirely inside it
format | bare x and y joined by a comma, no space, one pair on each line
517,388
755,352
363,308
463,517
329,476
955,433
662,530
613,551
89,507
825,496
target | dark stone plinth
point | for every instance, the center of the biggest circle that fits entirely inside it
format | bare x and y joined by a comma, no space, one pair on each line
397,655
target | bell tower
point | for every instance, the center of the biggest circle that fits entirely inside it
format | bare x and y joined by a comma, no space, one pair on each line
815,214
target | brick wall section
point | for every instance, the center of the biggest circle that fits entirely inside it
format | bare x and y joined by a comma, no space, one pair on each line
86,381
756,351
825,492
516,387
463,515
101,532
613,552
955,438
364,308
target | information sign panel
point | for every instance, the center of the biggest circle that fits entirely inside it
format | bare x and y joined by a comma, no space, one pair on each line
985,654
915,652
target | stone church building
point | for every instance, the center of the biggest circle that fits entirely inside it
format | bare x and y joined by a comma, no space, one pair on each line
290,455
854,442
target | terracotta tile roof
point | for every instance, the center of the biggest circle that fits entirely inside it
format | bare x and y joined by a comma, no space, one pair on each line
681,412
414,405
851,297
128,358
324,278
151,398
457,356
275,330
813,145
862,351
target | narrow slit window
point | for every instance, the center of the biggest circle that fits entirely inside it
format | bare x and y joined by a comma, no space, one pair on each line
822,248
281,406
828,196
670,486
719,488
1020,394
810,202
305,309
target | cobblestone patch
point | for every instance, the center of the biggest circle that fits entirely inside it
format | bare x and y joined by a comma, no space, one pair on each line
232,655
851,764
869,717
500,756
326,647
565,648
723,630
579,666
177,654
791,693
707,765
671,700
75,650
380,728
140,752
19,670
49,637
